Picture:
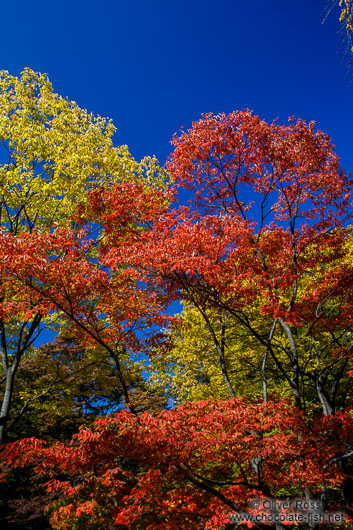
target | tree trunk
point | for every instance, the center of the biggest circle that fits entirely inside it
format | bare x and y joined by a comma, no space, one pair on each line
6,402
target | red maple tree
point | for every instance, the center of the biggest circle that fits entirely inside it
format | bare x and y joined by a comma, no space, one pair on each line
191,467
280,268
68,273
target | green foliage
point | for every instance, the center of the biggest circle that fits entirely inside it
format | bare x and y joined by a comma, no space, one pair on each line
62,386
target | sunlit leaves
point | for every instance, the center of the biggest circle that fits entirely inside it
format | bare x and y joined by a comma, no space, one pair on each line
54,152
211,444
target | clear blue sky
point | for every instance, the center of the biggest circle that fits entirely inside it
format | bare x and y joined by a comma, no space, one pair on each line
155,65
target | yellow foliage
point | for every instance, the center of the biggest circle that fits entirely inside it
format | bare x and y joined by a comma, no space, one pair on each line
55,153
191,370
346,18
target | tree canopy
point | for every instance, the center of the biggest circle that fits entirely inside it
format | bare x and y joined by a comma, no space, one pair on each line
256,370
55,156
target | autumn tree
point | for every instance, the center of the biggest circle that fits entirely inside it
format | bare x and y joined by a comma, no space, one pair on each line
267,242
189,468
67,275
346,16
59,389
265,247
279,266
346,19
58,160
54,154
196,355
62,386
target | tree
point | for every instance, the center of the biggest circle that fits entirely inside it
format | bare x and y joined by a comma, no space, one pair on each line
265,246
267,242
346,16
197,465
59,389
66,275
346,19
62,386
55,153
197,357
295,274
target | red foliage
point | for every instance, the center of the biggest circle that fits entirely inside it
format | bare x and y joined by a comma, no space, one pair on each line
241,249
189,466
292,166
283,260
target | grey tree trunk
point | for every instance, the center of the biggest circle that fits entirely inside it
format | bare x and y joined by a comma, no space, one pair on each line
10,364
6,402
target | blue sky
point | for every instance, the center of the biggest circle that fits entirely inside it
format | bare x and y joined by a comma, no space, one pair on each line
155,65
